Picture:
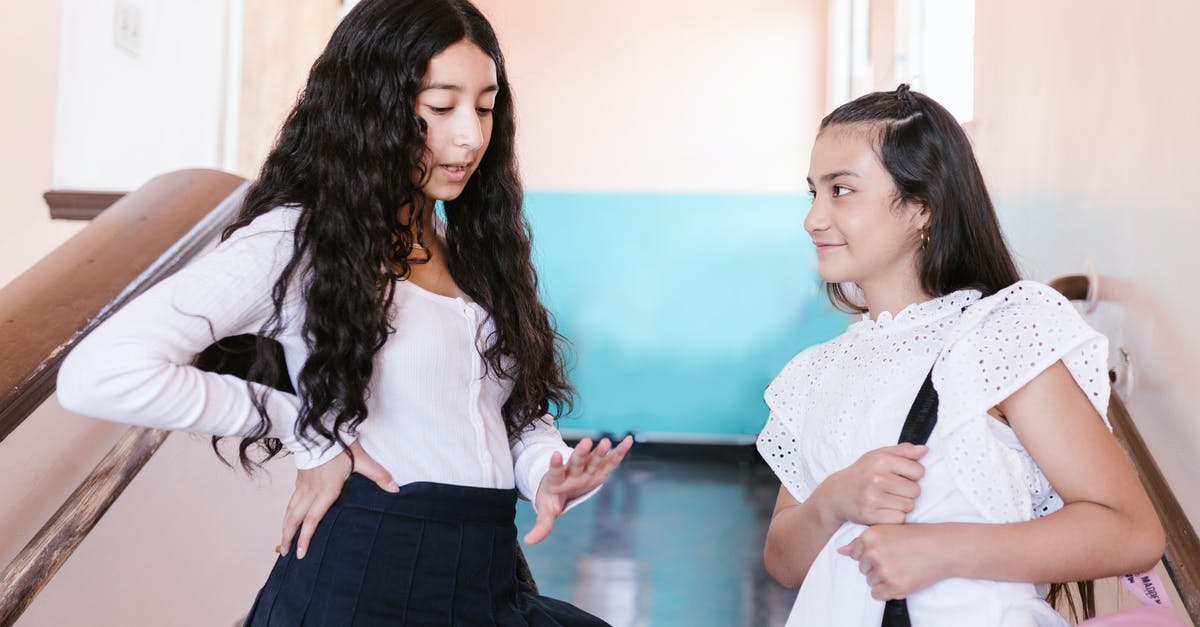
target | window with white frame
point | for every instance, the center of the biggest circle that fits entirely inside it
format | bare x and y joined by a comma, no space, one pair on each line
850,73
935,51
932,48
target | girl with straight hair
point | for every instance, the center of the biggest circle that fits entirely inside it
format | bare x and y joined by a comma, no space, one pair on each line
1021,481
423,365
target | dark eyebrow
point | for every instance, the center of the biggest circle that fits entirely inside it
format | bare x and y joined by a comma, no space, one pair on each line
458,88
825,178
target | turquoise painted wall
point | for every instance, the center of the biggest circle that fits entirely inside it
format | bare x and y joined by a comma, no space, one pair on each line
680,308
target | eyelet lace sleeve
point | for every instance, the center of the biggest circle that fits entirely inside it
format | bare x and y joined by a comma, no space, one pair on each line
779,441
1003,343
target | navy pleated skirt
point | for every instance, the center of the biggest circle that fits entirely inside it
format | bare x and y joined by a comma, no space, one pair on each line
433,554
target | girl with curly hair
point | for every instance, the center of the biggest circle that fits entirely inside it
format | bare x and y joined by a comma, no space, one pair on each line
424,367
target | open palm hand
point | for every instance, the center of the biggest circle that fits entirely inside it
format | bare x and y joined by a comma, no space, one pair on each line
587,469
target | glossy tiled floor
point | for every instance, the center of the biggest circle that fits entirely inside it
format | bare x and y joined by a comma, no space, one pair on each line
668,542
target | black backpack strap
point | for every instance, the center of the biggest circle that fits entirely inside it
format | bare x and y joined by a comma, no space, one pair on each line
922,416
918,426
895,614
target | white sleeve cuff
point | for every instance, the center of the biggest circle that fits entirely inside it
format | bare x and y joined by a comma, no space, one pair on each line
532,452
306,453
309,458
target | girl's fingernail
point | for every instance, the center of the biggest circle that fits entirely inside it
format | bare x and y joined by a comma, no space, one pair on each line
300,553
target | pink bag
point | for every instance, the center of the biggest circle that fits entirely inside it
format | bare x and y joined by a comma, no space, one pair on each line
1155,611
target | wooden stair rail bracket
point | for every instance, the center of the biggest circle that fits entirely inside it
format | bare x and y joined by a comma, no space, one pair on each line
1182,558
67,204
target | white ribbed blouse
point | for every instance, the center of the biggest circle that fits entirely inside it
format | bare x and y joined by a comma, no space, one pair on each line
434,412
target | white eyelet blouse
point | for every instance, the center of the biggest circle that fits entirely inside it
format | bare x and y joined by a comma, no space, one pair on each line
434,411
838,400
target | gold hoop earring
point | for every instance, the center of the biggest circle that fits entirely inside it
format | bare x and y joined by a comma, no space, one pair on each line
924,238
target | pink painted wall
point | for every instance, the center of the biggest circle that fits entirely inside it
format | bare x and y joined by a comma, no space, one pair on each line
188,543
29,41
1086,128
692,96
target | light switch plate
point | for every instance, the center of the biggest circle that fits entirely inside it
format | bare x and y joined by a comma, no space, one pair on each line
127,27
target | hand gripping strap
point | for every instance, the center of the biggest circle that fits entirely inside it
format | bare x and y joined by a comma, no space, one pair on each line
922,416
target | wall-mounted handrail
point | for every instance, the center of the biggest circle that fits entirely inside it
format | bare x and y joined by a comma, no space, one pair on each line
142,238
1182,558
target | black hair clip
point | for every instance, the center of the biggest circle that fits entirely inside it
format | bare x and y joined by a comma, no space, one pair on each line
904,94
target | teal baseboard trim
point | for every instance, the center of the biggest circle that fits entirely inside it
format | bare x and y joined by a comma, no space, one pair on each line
685,447
692,439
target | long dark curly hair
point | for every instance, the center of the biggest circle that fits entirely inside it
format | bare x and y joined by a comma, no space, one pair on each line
350,157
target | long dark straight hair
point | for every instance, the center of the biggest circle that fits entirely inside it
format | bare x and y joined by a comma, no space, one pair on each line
349,157
931,162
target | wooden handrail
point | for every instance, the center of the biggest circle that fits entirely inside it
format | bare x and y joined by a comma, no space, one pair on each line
1182,558
141,239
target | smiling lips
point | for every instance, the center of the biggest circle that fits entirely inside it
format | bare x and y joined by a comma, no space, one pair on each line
824,247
